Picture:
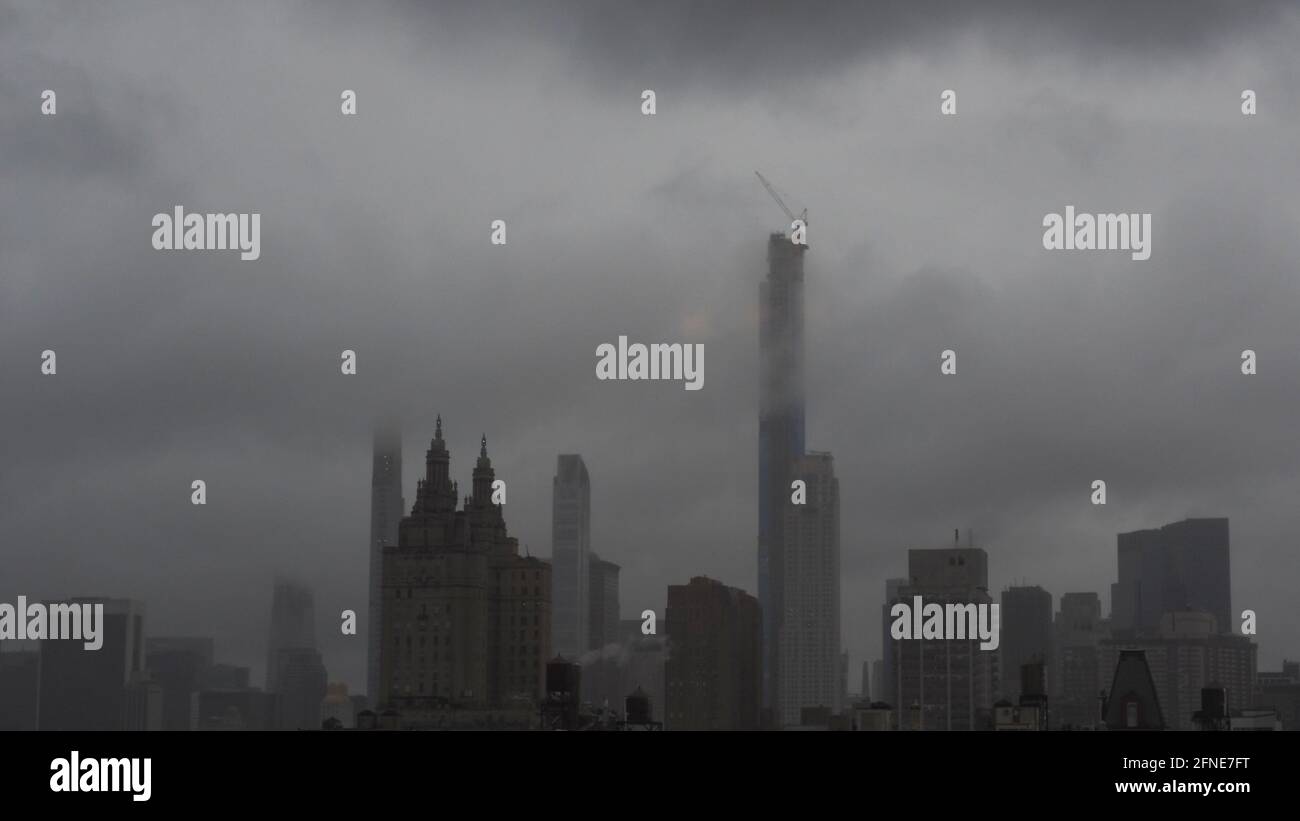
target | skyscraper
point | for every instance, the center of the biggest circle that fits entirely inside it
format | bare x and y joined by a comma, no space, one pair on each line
179,665
87,690
712,671
1026,634
1077,677
386,509
780,436
886,692
602,619
808,644
944,684
1180,567
293,625
571,555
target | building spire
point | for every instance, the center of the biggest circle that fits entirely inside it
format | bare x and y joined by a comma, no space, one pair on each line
482,451
437,431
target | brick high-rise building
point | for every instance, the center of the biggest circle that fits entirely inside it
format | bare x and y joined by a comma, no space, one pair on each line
466,619
713,674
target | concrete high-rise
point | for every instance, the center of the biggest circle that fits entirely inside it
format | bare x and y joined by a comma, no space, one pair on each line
780,437
571,556
1186,653
1180,567
386,510
944,684
87,690
808,641
602,609
179,665
1026,635
1076,677
712,672
293,625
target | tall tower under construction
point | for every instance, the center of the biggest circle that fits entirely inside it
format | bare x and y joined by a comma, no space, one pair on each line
780,436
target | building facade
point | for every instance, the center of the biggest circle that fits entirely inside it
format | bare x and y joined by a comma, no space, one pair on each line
1026,626
944,684
571,555
1187,654
602,610
713,671
386,509
808,644
466,619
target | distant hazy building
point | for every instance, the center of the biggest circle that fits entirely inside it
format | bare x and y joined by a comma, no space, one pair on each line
602,610
1178,568
886,690
293,625
339,706
877,681
20,685
808,645
386,509
247,709
1276,689
179,665
144,704
226,677
570,556
1026,634
1077,678
467,620
944,684
300,688
1186,654
713,675
87,690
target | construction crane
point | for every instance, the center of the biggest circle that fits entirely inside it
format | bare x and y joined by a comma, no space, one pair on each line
772,191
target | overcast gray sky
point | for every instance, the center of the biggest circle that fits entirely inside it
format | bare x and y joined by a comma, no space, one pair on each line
925,235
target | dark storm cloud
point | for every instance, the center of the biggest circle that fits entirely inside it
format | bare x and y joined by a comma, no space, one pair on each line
729,44
176,366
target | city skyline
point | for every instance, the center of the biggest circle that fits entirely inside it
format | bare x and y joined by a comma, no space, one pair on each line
927,236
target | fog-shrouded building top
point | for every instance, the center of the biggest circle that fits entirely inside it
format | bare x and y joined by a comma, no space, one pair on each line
780,435
571,556
293,625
